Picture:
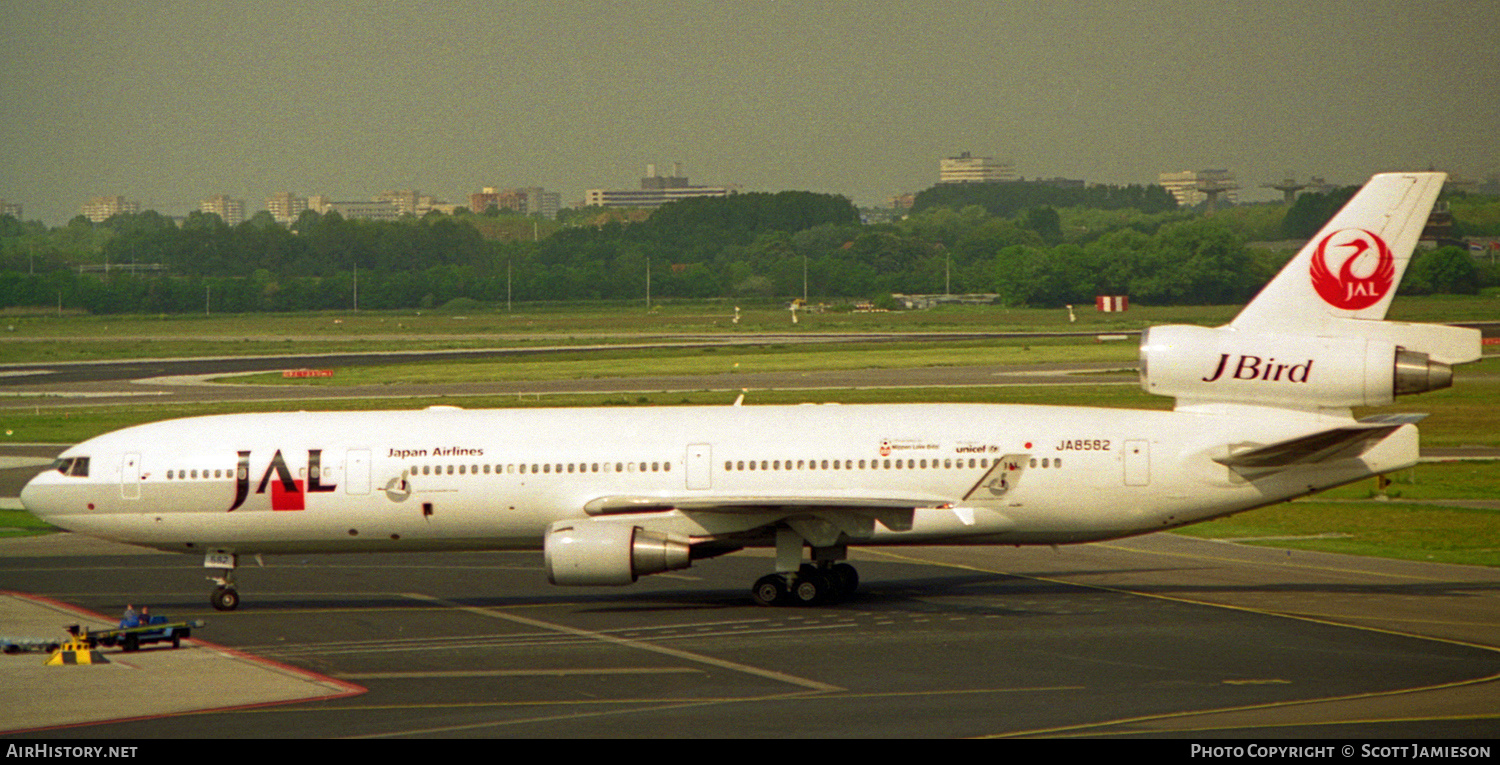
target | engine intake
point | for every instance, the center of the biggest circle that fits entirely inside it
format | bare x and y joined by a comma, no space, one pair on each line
593,553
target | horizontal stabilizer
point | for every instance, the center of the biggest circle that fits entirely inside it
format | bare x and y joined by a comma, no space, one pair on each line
1345,442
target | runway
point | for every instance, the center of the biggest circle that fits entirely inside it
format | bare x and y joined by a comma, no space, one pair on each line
1156,636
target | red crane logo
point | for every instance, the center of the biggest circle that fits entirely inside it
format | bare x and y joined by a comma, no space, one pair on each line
1366,270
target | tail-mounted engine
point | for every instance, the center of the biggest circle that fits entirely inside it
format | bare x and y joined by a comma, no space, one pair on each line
1203,364
589,553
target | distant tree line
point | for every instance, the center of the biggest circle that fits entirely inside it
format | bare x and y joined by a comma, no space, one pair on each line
1031,244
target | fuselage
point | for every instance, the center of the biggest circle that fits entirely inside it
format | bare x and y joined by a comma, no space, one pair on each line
447,478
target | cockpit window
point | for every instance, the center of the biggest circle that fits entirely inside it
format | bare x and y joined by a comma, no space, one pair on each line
73,466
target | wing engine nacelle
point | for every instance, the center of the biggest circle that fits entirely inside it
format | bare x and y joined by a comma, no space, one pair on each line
591,553
1222,364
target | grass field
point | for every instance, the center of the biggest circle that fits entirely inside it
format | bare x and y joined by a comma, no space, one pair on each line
39,336
1354,519
726,360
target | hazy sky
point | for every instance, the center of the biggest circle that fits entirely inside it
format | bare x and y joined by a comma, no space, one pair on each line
169,102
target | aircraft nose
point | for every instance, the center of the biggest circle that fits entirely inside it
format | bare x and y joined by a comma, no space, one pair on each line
34,497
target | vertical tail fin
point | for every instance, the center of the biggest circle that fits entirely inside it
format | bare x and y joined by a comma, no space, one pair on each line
1351,269
1315,337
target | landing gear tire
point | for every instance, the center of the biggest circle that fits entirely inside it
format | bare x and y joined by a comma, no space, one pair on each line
770,590
845,579
810,588
811,585
225,599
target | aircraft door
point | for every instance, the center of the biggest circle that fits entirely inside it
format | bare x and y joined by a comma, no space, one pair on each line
130,477
357,471
1138,463
700,459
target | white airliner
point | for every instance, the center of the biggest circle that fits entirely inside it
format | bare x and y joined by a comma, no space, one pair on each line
1262,415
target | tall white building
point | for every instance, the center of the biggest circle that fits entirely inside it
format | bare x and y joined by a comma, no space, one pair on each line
231,211
967,168
285,207
100,209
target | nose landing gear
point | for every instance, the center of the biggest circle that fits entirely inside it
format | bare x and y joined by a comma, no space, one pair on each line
225,597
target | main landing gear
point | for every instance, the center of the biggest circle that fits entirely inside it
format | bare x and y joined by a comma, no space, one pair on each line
808,585
826,580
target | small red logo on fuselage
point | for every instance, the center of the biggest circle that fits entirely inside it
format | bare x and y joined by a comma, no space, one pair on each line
1365,274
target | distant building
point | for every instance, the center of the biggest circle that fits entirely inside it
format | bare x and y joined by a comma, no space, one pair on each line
11,208
413,202
509,199
541,201
528,201
231,211
967,168
405,201
285,207
655,190
100,209
1193,187
379,209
